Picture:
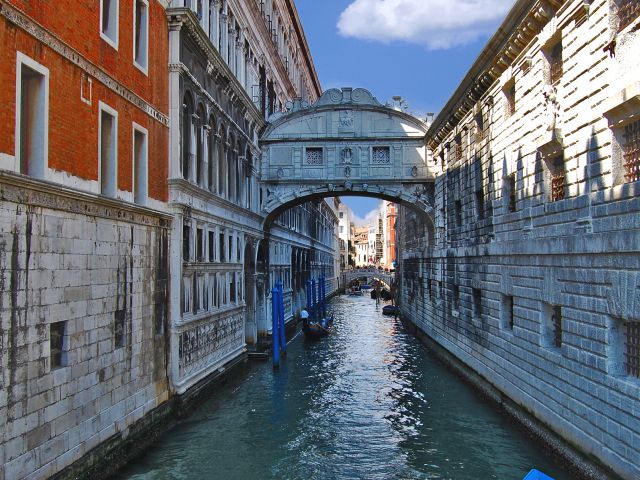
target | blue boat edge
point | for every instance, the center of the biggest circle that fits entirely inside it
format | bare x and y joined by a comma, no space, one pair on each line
535,474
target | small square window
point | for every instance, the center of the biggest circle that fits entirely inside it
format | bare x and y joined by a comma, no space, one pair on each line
477,303
186,243
509,92
631,151
506,313
119,328
455,297
557,177
314,156
381,155
632,348
58,344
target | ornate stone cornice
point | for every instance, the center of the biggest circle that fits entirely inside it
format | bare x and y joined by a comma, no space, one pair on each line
525,20
19,19
28,191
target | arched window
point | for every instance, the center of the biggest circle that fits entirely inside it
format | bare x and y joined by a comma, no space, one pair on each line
222,162
238,175
248,179
187,119
201,116
231,168
212,154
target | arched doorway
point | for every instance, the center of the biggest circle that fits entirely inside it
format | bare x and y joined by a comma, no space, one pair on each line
251,327
262,289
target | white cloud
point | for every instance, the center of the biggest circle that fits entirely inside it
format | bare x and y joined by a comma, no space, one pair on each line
437,24
368,219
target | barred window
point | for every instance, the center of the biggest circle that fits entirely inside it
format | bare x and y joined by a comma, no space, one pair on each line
455,297
381,155
556,320
57,333
557,173
510,192
631,151
477,303
480,126
458,147
510,98
314,156
555,62
632,348
628,11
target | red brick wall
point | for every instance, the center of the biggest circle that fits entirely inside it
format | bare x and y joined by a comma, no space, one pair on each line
73,125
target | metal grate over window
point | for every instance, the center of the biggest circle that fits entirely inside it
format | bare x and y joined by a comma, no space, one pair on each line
557,187
632,349
631,151
314,156
381,155
556,320
555,63
628,11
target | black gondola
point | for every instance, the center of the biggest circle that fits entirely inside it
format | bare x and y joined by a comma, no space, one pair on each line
317,329
390,310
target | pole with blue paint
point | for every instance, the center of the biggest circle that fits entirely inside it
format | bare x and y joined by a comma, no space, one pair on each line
323,293
309,297
313,300
275,324
283,339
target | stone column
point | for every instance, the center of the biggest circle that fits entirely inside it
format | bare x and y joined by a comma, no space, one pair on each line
205,155
241,58
214,23
224,18
232,49
175,100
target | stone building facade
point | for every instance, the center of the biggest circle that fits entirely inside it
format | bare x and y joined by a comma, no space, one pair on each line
84,230
232,64
529,272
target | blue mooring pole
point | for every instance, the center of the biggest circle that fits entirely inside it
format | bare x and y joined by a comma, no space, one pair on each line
324,296
309,296
283,337
314,305
275,324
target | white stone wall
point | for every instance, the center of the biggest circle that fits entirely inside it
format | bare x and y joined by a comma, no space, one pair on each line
83,260
579,254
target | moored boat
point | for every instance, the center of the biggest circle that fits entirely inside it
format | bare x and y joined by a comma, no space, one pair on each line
390,310
317,329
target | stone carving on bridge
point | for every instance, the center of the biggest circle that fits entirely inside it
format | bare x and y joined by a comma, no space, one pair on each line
347,171
346,155
346,120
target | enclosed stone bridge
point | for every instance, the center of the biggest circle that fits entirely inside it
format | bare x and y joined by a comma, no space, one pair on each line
347,143
371,274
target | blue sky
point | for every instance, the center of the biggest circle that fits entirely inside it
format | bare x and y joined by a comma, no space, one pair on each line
418,49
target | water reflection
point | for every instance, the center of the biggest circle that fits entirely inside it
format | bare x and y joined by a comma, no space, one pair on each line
366,402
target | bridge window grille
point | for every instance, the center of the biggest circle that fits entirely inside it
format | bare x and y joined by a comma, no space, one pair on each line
314,156
631,151
632,348
381,155
628,11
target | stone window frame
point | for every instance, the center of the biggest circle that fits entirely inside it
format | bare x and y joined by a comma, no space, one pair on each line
114,13
621,110
552,334
552,77
143,65
22,61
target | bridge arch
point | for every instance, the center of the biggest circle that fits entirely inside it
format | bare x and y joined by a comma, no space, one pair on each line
345,144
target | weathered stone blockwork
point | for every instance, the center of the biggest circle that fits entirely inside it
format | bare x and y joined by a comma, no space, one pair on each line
88,262
535,221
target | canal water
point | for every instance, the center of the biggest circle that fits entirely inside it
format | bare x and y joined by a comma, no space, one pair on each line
367,402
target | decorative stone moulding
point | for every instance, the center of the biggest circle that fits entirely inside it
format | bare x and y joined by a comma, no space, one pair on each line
623,107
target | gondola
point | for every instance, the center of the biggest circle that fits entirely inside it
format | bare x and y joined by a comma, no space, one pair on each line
317,329
390,310
355,292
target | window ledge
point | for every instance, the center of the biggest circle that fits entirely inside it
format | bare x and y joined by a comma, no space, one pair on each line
109,40
624,107
142,68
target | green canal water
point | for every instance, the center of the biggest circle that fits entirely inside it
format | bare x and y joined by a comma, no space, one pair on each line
368,402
